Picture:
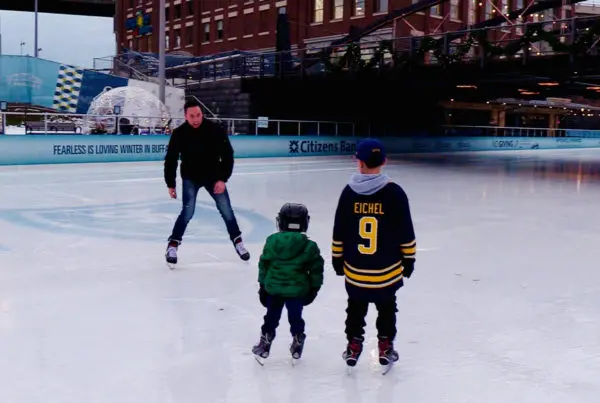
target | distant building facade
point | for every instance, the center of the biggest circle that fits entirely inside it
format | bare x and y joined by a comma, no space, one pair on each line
209,27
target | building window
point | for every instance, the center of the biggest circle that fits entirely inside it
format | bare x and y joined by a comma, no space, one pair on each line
488,10
190,8
219,30
150,49
381,6
263,21
130,44
167,41
519,4
358,8
177,12
318,11
472,12
167,16
189,35
455,9
131,4
282,10
338,9
248,25
177,34
206,36
232,27
435,10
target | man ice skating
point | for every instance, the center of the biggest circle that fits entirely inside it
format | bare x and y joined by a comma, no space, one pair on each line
290,274
374,246
206,161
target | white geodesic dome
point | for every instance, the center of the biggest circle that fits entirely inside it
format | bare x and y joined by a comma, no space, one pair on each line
138,107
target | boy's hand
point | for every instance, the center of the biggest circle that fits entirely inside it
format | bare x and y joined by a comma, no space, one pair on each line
263,296
310,297
409,267
338,265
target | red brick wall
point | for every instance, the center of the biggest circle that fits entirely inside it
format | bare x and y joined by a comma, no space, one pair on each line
250,24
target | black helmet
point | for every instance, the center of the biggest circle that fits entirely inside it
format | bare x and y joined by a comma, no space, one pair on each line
293,217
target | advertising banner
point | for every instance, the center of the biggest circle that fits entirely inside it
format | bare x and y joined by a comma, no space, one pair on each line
62,149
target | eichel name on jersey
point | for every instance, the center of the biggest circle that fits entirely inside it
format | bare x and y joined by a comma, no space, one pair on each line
373,234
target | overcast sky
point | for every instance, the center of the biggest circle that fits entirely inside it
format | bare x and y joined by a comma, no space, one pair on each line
63,38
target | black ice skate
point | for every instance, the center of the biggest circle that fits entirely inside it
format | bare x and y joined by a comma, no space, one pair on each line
387,355
263,348
353,351
171,254
240,249
297,346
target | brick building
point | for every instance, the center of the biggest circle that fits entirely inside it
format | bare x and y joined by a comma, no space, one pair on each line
205,27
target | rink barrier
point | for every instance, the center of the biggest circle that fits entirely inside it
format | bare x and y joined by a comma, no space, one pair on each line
63,149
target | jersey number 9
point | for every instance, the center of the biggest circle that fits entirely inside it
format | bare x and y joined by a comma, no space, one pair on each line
367,229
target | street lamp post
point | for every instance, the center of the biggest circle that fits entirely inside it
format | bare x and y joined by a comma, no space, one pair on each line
161,50
35,40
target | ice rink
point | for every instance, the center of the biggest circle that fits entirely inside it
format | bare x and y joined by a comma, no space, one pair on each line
504,304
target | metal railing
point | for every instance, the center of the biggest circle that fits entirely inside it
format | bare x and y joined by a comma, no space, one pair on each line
566,31
78,124
495,131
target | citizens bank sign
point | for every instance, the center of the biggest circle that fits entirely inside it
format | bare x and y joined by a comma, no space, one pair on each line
316,147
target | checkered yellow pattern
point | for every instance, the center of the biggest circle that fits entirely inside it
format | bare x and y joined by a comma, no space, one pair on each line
67,90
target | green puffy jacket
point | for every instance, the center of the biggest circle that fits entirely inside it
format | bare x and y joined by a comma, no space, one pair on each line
290,265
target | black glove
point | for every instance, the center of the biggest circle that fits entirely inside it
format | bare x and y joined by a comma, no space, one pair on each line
338,265
310,297
409,267
263,296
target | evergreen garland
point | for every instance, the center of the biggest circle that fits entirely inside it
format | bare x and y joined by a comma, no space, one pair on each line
352,60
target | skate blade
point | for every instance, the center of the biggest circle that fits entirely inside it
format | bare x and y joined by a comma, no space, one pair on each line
387,368
260,360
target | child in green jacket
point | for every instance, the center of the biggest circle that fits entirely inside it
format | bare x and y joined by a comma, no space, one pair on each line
290,275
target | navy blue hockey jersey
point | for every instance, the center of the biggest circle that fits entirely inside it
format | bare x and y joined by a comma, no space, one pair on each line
373,234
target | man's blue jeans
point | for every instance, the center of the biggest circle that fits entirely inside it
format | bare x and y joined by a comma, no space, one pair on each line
189,195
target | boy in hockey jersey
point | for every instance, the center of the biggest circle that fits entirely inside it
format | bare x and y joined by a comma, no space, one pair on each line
290,274
374,247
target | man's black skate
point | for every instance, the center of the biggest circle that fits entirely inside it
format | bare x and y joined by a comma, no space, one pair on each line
297,346
241,249
353,351
263,348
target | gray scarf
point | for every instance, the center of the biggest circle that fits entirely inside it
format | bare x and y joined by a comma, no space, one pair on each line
368,184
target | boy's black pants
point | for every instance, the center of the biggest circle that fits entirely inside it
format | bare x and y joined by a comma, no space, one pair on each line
275,305
386,319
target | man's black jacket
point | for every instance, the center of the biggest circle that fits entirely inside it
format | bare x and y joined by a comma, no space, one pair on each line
206,154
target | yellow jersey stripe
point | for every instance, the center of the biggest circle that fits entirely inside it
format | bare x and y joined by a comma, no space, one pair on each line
373,279
381,285
337,248
337,242
379,271
409,251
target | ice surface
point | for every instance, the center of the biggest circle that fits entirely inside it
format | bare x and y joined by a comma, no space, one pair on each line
504,304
